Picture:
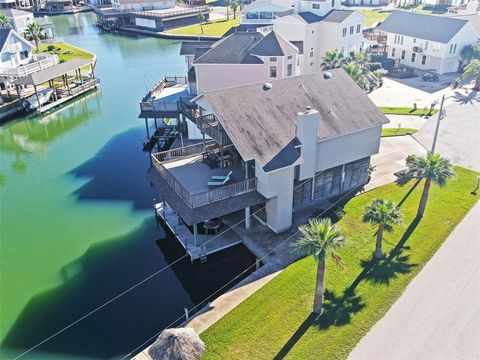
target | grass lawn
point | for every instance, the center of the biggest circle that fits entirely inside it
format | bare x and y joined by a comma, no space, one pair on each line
66,52
398,131
276,321
214,28
372,16
406,111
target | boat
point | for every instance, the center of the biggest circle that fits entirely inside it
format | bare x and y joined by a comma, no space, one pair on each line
31,102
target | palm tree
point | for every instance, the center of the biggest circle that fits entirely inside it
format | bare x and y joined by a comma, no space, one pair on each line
201,19
235,5
319,236
473,70
227,3
432,167
4,23
333,59
383,213
33,31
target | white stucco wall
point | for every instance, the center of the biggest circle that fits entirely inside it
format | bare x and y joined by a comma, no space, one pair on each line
343,149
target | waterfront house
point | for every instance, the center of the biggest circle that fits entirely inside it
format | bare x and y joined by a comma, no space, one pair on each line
283,145
18,19
263,12
427,42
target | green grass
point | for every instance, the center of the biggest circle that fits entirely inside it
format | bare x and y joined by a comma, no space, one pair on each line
372,16
386,132
277,320
66,52
214,28
406,111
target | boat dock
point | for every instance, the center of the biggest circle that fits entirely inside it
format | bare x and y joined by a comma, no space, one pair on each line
198,247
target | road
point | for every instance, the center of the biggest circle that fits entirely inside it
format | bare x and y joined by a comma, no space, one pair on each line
438,316
459,134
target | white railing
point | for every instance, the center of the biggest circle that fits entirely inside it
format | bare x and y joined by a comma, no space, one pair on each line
185,151
40,62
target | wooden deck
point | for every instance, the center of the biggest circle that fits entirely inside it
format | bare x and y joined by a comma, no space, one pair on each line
205,244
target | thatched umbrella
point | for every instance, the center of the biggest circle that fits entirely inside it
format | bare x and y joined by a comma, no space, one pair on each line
177,344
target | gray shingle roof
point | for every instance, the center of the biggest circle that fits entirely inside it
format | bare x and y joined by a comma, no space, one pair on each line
232,50
338,16
273,45
299,45
308,17
261,123
4,36
190,47
428,27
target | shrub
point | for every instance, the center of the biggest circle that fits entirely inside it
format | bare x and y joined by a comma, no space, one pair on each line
375,66
50,48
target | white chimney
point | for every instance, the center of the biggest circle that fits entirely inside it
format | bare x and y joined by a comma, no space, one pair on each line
306,132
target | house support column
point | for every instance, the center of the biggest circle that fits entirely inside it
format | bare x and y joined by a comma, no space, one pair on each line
248,218
195,234
146,127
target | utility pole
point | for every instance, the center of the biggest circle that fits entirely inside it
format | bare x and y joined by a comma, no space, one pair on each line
439,118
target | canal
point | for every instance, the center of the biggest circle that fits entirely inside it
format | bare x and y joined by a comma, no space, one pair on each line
77,225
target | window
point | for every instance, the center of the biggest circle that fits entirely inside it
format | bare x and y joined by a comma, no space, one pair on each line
414,40
273,59
359,27
289,70
290,57
344,32
273,72
333,3
426,45
424,59
311,52
395,39
403,55
352,28
453,48
413,57
393,52
315,6
401,40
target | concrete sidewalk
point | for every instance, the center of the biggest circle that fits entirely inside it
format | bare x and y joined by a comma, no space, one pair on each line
438,316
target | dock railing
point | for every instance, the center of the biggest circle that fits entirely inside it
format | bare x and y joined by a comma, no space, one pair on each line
169,14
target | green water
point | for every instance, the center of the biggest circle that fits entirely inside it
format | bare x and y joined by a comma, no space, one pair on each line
76,214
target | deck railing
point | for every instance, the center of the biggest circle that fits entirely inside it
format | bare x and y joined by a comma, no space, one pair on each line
185,151
40,62
206,197
162,84
169,14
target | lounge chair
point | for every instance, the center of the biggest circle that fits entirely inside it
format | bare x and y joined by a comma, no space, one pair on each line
219,183
221,177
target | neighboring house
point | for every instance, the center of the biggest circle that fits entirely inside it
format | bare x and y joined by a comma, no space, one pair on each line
427,41
263,12
369,2
286,144
142,5
17,58
442,3
469,8
338,30
7,4
18,19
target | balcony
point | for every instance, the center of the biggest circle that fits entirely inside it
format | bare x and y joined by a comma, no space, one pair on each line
39,62
187,173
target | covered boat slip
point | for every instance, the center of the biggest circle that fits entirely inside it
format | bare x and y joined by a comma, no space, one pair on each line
68,80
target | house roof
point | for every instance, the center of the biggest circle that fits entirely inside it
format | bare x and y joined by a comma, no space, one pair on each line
261,123
190,47
52,72
4,34
428,27
232,50
299,45
273,45
474,19
338,16
15,13
308,17
281,3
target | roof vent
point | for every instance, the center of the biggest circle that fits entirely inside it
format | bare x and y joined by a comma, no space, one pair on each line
327,75
267,86
308,109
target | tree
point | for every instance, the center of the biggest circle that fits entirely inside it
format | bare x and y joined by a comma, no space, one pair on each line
470,52
385,214
333,59
227,3
432,168
473,70
4,23
235,5
201,19
318,237
34,31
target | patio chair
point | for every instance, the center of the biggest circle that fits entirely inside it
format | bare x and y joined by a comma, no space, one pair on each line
219,183
221,177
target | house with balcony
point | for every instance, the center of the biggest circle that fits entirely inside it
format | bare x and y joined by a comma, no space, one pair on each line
18,19
263,12
278,146
427,42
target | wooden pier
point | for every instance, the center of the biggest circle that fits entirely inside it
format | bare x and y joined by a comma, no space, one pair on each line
196,246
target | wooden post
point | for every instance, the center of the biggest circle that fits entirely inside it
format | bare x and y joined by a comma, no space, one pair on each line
146,126
38,99
248,219
195,234
68,86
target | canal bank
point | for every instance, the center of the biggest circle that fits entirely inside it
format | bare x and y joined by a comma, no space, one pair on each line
77,219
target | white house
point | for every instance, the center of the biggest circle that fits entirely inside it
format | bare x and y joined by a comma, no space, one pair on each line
370,2
18,19
284,145
17,58
265,11
142,5
427,41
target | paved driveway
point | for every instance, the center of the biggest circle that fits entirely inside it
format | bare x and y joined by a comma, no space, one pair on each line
438,316
459,134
